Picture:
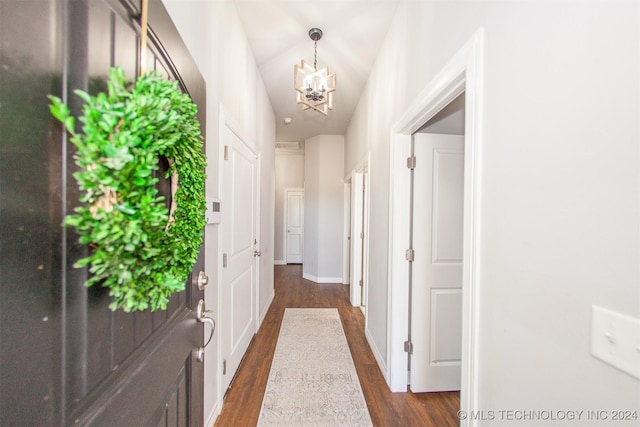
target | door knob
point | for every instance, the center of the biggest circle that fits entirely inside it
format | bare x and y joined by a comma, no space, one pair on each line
203,280
199,354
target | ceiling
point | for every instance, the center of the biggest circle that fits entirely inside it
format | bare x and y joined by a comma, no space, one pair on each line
277,31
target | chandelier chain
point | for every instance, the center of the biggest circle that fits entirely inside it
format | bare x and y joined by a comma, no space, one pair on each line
315,55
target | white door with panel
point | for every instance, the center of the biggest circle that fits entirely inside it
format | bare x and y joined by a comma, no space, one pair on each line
436,292
239,249
294,211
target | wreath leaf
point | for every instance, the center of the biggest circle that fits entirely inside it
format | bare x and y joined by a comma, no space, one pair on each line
139,250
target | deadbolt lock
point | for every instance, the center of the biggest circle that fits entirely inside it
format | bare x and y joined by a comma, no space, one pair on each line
203,280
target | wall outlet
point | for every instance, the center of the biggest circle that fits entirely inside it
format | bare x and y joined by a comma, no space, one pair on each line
615,339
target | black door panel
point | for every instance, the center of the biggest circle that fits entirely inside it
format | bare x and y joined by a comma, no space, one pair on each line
66,358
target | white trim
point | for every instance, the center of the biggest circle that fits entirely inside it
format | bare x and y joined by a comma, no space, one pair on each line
256,247
398,289
213,415
361,165
376,353
463,73
359,219
336,280
346,231
221,121
367,234
264,312
279,262
356,226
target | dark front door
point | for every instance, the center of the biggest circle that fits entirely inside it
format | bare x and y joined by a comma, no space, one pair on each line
66,358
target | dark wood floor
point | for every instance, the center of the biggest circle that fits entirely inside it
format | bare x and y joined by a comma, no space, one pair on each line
244,399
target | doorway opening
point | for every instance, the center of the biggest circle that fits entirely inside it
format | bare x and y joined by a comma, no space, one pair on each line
358,235
435,291
463,73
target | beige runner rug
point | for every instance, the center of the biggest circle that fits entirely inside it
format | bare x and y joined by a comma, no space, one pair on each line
313,381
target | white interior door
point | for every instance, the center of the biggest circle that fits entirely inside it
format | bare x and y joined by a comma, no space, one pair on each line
238,229
436,292
294,211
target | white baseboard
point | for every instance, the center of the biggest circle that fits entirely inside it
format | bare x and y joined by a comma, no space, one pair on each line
266,308
213,416
279,262
308,276
376,353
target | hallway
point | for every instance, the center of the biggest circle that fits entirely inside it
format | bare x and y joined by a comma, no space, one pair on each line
244,399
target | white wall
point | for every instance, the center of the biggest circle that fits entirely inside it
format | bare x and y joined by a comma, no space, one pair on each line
323,209
215,37
289,174
560,186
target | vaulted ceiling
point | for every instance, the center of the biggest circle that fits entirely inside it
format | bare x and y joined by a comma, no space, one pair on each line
277,31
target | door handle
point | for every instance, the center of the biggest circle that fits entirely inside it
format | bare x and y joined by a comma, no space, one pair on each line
203,280
257,253
201,316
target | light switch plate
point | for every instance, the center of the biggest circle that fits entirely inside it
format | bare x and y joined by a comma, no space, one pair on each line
615,339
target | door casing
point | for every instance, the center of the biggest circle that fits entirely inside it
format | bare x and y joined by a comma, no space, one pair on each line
462,73
359,246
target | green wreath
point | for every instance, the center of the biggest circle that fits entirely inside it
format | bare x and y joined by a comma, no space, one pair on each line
142,251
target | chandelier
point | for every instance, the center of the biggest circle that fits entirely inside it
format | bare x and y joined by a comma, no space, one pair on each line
314,88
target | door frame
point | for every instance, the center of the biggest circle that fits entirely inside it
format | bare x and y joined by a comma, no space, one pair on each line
225,120
346,231
358,256
463,73
286,222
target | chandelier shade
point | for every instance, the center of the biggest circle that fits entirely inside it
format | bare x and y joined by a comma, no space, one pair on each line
314,87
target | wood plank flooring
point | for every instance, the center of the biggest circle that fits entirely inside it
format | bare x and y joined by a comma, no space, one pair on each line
244,399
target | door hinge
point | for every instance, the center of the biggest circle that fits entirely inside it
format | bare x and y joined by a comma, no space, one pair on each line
411,162
362,235
224,260
224,367
360,282
408,347
226,152
410,255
